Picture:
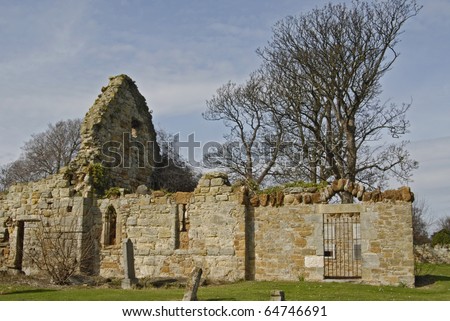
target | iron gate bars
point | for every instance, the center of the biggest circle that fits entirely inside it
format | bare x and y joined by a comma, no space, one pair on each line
342,245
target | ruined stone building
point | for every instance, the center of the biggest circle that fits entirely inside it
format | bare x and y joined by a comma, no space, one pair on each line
232,234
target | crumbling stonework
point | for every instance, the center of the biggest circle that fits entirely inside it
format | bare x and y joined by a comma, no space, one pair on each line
227,231
26,204
118,133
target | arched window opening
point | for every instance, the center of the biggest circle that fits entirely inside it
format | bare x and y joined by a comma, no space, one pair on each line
182,227
111,226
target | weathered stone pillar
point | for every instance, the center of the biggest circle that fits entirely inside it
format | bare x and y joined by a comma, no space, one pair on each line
193,284
277,295
128,265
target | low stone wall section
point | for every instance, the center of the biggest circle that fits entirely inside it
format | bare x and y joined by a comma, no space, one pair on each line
215,237
429,254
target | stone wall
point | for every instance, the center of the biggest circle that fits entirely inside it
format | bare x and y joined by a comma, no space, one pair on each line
233,240
215,236
289,242
27,204
218,229
387,232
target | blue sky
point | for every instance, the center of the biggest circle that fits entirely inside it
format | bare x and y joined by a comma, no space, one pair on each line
56,55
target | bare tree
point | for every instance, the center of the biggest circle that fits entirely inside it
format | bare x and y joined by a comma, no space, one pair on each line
421,222
44,154
329,63
322,75
54,148
16,172
173,173
444,223
257,128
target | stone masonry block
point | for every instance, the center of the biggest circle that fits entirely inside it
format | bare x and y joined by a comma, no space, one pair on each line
217,181
222,197
204,182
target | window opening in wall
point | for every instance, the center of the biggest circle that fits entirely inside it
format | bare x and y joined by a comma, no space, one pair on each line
342,245
182,227
7,225
111,226
6,236
135,125
183,218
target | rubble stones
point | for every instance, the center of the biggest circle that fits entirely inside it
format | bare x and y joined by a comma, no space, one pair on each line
142,190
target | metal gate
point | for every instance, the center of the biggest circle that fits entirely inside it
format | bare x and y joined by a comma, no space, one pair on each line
342,245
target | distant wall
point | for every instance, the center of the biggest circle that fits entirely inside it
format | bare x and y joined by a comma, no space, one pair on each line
428,254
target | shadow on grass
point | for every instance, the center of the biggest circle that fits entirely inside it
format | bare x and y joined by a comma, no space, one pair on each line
28,291
425,280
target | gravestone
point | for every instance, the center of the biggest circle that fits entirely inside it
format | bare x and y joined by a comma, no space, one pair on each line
128,265
193,284
277,295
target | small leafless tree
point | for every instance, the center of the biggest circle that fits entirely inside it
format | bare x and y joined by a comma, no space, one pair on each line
421,222
58,247
44,154
16,172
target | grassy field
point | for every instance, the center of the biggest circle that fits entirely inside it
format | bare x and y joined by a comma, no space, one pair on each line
434,284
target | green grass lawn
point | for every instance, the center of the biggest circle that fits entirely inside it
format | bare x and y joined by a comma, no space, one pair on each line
434,281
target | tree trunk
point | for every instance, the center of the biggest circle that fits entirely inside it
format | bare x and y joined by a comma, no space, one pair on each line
346,197
350,174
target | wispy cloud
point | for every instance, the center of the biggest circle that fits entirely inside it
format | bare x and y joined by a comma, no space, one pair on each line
49,34
431,179
56,55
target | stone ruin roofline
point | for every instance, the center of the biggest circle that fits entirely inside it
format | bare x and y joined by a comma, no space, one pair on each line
75,173
118,110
